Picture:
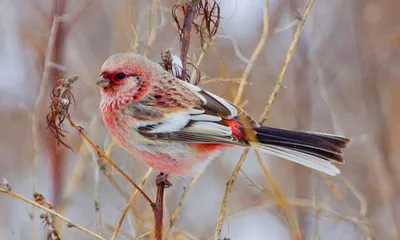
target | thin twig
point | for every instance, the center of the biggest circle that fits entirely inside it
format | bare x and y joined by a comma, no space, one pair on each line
153,30
256,52
129,204
109,160
96,190
200,59
289,55
228,190
280,198
236,101
175,215
36,115
33,203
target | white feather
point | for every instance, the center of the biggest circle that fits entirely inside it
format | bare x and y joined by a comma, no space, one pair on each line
177,69
196,111
210,127
205,117
303,159
173,122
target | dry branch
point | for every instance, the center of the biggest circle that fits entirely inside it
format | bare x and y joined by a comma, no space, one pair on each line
35,204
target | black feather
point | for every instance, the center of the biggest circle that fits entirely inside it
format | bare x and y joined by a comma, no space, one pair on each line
327,147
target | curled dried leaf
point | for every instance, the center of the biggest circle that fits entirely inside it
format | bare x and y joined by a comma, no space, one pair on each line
61,99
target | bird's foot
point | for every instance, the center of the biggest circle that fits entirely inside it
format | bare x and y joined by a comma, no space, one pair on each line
163,179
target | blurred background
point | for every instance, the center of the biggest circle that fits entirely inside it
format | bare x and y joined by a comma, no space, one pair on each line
344,78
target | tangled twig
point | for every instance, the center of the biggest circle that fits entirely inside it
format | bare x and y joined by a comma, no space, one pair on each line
201,15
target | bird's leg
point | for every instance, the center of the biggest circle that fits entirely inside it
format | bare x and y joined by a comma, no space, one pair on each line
162,178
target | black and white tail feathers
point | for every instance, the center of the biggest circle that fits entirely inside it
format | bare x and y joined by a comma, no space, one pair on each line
314,150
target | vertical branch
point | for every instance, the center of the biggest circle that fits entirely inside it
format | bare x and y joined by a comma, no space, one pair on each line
158,210
190,10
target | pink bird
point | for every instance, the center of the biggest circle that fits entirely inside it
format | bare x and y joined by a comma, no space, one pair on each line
177,128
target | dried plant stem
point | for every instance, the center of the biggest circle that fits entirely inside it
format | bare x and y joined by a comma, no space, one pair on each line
129,204
256,52
289,55
33,203
190,13
153,30
96,190
243,82
228,190
158,211
121,219
108,159
280,198
175,214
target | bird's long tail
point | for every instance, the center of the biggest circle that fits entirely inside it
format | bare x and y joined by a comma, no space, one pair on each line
311,149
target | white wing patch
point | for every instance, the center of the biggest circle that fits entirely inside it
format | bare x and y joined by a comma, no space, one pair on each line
173,122
211,128
205,117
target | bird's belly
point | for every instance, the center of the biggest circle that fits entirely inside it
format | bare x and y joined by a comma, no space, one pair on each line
174,158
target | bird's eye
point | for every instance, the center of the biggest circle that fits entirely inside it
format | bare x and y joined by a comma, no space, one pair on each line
120,76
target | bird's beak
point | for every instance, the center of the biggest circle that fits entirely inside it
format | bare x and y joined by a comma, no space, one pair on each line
103,82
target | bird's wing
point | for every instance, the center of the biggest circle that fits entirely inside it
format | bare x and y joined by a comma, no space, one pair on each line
189,114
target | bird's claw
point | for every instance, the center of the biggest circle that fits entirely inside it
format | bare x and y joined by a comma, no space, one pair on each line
163,179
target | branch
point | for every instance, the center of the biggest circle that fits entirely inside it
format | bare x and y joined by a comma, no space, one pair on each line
108,159
158,210
236,101
254,56
289,55
128,205
69,222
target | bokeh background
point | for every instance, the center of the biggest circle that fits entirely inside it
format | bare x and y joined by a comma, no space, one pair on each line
344,78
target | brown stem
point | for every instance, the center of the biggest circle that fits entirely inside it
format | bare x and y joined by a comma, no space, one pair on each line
190,11
158,210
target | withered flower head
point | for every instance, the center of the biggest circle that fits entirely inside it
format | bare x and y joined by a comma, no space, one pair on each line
61,99
167,62
204,16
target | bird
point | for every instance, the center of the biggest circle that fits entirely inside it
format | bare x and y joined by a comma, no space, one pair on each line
178,128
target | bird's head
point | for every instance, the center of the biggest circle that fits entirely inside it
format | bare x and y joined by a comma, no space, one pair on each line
126,77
